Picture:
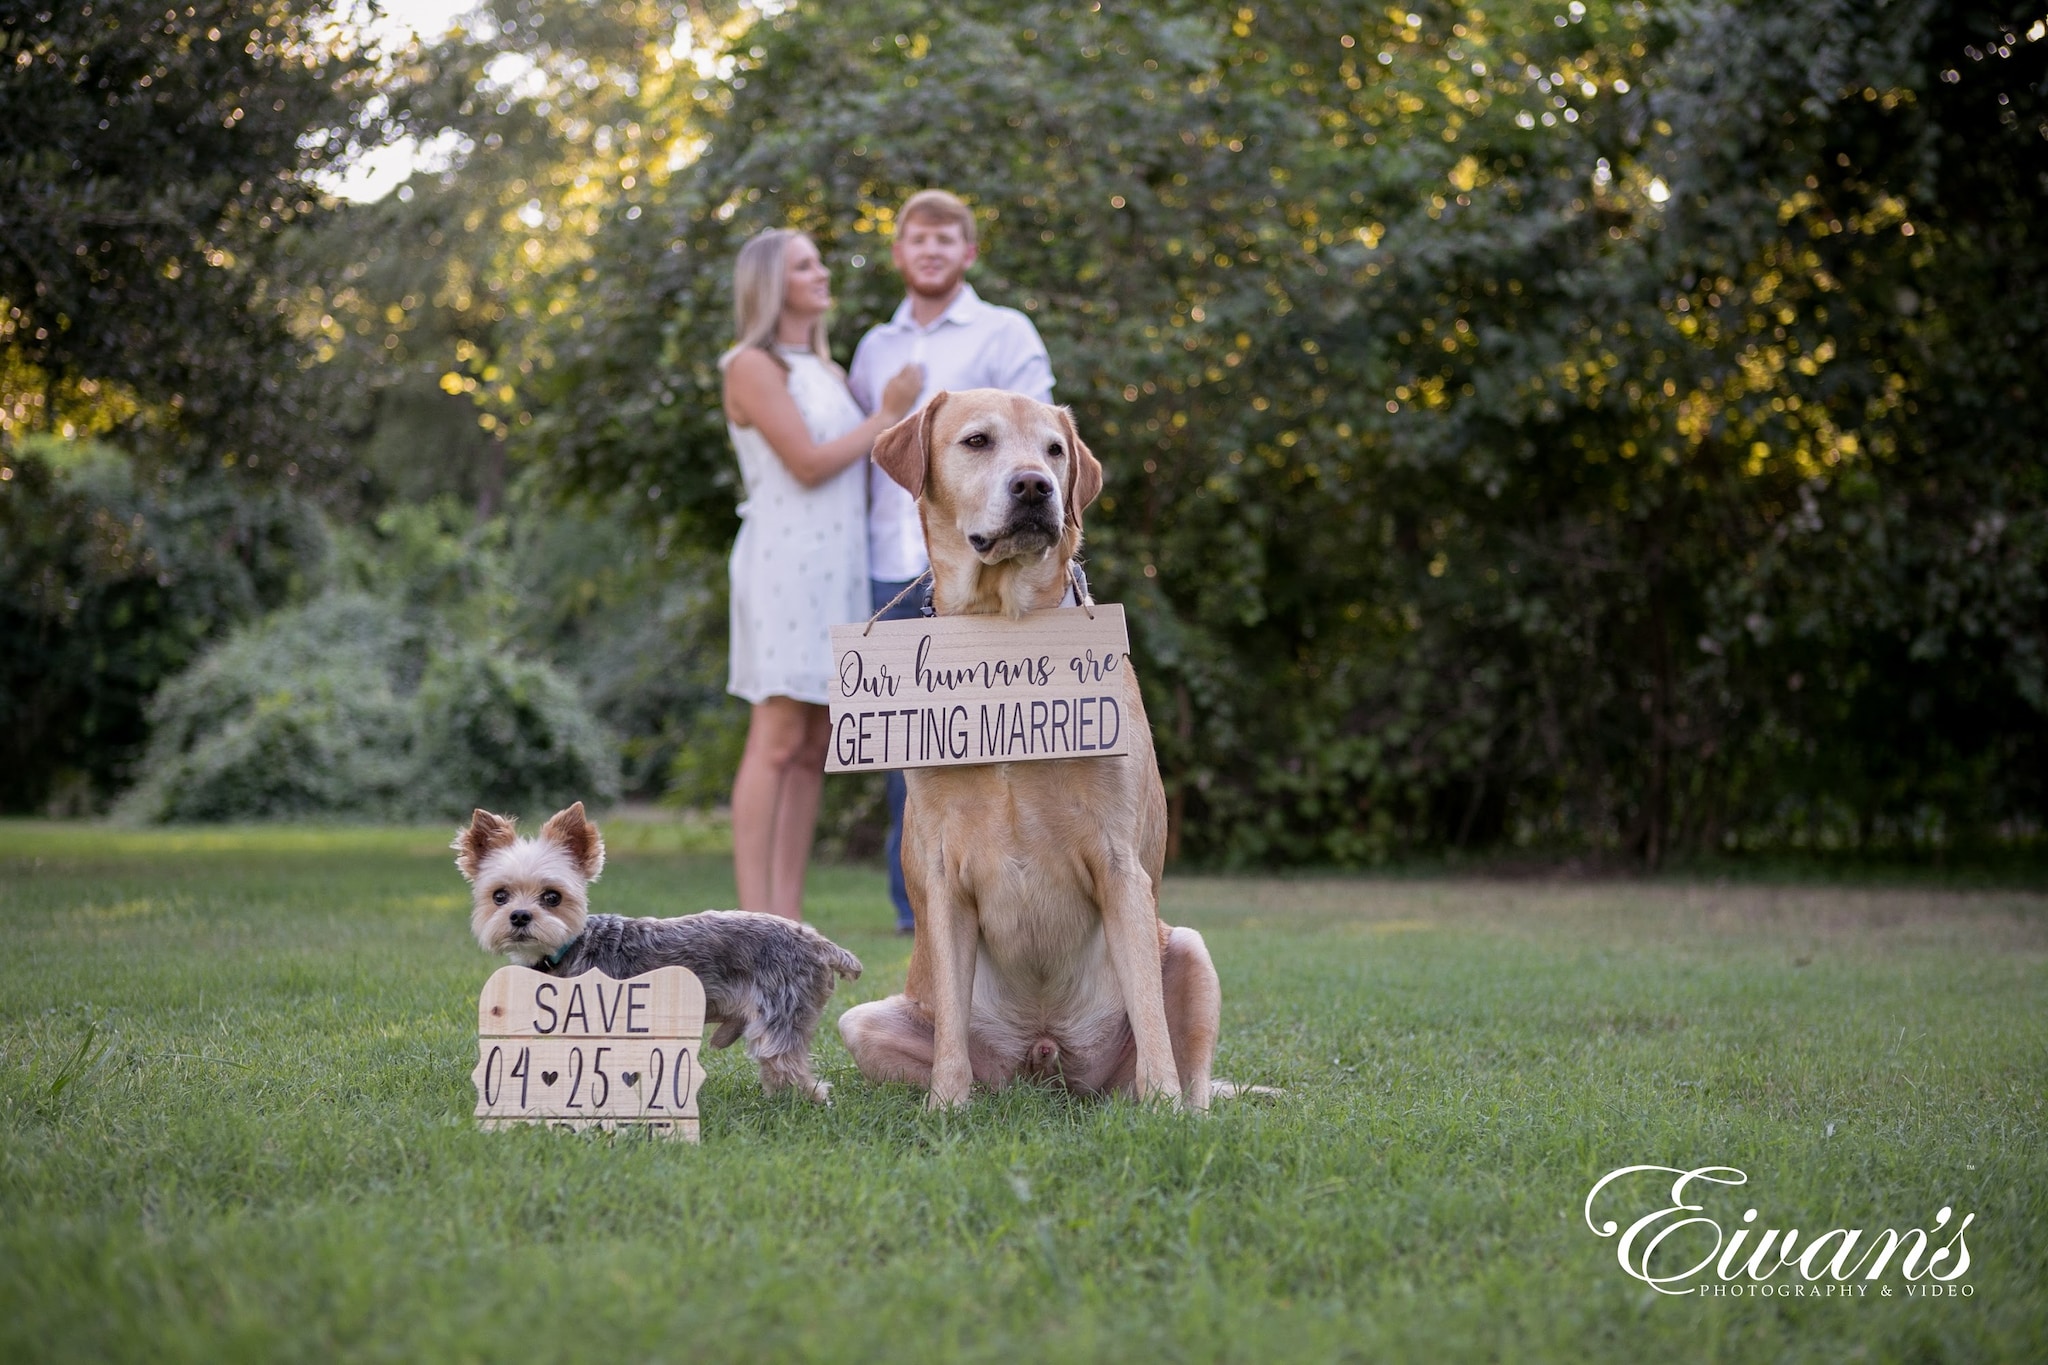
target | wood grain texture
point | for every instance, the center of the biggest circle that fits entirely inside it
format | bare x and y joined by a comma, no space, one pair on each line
590,1051
954,690
518,1002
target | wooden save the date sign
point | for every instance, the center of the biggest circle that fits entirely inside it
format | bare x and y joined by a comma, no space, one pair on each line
590,1052
980,689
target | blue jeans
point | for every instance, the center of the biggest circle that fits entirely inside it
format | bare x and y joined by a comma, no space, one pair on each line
881,591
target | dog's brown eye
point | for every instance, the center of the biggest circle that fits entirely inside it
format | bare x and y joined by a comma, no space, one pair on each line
500,896
1055,450
551,899
975,441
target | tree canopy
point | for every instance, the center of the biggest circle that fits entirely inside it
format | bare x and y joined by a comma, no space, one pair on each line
1588,425
150,160
1601,423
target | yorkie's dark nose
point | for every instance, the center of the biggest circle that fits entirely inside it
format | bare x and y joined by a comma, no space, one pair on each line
521,918
1030,487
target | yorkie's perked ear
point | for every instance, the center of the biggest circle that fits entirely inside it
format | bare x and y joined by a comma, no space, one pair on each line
904,451
578,837
1084,479
484,835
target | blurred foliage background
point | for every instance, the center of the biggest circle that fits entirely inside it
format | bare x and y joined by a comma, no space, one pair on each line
1574,428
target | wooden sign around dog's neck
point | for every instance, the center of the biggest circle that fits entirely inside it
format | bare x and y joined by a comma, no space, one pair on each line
949,690
590,1052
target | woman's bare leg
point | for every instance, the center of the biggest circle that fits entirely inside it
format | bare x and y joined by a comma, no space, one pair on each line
785,741
796,817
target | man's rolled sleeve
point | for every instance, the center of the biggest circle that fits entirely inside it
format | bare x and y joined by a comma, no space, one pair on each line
1029,368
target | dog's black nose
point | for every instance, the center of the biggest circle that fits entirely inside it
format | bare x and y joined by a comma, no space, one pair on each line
521,918
1030,487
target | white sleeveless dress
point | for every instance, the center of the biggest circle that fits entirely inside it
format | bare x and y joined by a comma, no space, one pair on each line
800,565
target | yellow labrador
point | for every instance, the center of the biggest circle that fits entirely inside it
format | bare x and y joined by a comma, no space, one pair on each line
1039,947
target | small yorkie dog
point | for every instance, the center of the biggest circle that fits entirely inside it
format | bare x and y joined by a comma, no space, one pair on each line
765,978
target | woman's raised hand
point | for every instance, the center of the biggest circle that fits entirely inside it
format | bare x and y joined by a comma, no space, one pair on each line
899,395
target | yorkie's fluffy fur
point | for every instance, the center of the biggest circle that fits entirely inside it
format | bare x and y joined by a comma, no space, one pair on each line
765,978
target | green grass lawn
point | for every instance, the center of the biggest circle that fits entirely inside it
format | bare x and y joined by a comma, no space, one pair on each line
235,1124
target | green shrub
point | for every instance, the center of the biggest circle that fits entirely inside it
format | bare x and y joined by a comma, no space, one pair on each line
350,708
111,581
331,744
293,716
640,625
499,731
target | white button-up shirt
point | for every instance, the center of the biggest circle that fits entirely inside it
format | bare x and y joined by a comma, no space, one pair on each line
972,345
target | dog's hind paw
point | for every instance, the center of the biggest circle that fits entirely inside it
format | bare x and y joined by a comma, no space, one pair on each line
1231,1090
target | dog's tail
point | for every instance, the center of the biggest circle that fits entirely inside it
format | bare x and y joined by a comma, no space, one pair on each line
844,963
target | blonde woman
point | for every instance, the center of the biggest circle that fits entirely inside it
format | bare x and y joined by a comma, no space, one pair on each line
800,563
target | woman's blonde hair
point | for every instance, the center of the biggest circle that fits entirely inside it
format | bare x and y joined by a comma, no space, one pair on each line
759,287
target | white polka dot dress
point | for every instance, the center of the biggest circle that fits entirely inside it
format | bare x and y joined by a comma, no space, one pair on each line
800,565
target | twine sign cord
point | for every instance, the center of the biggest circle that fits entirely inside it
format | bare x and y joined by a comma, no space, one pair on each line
1078,583
897,598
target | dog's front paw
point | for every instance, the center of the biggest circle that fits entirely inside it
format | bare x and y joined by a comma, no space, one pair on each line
946,1101
1158,1089
952,1084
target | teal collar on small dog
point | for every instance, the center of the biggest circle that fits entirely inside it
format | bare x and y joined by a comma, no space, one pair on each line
549,963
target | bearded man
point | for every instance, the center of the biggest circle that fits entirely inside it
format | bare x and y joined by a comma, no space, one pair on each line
962,342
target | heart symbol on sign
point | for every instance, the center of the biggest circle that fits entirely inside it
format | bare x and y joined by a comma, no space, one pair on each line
630,1077
548,1077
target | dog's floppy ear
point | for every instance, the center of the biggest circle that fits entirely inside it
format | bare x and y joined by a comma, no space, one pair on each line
1084,480
904,451
579,837
484,834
